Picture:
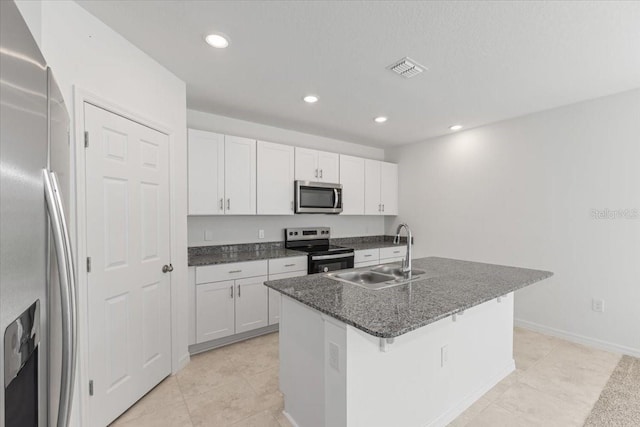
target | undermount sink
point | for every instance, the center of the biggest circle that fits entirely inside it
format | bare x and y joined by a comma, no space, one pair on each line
379,277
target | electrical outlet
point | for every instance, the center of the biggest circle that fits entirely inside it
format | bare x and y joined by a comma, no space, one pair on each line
208,235
597,305
260,234
444,355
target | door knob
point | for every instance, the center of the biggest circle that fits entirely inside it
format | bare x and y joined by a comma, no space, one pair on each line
167,268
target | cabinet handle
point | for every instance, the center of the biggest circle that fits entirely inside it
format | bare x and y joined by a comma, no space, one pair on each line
239,291
368,255
289,265
292,206
379,207
383,207
221,204
231,289
396,252
320,173
228,204
316,173
235,271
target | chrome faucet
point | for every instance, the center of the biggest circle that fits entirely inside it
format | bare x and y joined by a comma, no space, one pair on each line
406,264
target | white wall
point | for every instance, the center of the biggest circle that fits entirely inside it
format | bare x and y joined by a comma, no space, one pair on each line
244,229
84,53
521,192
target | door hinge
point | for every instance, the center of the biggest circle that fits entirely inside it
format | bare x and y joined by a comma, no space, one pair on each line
88,264
86,139
90,387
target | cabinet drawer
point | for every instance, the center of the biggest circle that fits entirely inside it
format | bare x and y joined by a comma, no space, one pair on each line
366,263
230,271
393,252
366,255
285,265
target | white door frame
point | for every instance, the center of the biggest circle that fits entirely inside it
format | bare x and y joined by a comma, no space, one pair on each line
179,357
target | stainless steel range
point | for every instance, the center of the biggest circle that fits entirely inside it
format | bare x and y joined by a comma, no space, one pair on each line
323,256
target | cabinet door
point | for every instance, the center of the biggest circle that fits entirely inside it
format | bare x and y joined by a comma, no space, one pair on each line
275,179
206,172
389,188
329,167
306,164
352,180
239,175
275,296
214,310
372,204
251,304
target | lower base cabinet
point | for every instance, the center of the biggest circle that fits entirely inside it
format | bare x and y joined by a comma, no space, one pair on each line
215,310
275,296
252,311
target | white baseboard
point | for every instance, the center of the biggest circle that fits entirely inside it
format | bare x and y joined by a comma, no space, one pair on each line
184,361
579,339
470,399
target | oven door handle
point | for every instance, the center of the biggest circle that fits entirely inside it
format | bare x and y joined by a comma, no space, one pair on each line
337,256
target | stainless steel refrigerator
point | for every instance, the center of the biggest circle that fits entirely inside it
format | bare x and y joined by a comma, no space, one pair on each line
37,277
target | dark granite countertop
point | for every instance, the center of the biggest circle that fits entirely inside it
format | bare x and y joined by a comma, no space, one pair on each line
221,254
209,255
448,287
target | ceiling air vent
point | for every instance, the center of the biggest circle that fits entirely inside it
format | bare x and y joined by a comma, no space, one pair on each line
406,67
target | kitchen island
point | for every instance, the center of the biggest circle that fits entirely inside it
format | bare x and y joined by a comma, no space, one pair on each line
416,354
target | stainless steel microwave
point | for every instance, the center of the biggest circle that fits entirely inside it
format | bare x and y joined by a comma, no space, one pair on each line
318,197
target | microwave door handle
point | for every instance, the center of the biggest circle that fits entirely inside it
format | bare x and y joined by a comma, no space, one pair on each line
335,198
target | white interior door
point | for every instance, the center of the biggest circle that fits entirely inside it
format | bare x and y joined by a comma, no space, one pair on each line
239,175
128,238
275,179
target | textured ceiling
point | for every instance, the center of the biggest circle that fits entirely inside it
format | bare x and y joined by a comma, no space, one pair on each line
487,61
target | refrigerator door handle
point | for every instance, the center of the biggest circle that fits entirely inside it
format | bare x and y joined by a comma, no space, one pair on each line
62,243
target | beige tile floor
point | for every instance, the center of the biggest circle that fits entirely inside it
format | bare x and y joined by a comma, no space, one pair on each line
556,384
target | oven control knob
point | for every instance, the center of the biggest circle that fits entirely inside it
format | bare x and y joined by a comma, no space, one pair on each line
325,269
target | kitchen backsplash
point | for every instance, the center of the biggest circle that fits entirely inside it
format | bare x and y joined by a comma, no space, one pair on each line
224,230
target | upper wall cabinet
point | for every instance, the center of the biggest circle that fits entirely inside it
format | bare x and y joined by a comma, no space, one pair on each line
352,180
381,188
239,175
206,173
222,174
314,165
275,179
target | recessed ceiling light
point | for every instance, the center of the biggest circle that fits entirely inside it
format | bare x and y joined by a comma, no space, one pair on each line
380,119
217,40
310,99
455,127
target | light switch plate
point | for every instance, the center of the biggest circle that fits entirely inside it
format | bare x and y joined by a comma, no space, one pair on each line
260,234
208,235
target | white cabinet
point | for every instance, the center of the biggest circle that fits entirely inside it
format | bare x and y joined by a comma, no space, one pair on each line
393,252
275,296
366,257
314,165
251,304
222,174
389,188
239,175
381,188
283,268
215,312
230,299
352,180
275,178
206,173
